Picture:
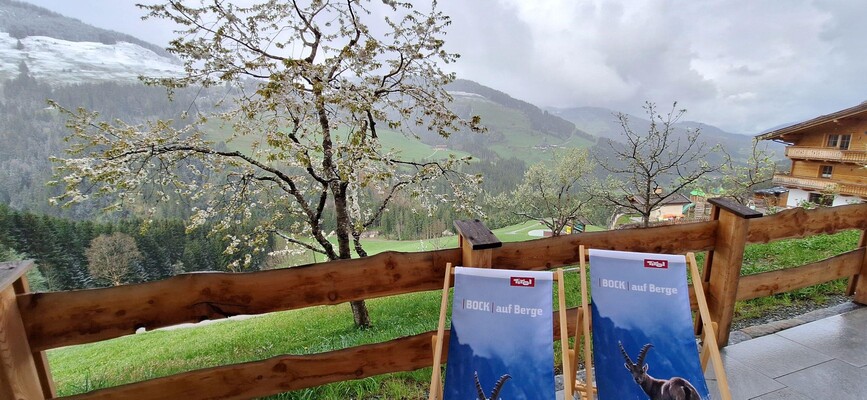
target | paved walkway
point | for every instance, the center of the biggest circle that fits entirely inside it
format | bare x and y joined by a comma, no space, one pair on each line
823,359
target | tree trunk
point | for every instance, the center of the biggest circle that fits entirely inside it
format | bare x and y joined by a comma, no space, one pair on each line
359,308
359,313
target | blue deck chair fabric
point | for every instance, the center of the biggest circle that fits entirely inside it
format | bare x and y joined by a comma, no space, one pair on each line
501,337
643,340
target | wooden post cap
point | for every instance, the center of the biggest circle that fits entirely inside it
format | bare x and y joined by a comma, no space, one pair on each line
477,235
11,271
733,207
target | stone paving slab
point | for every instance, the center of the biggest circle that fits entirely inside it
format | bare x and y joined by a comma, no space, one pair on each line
745,382
775,356
834,379
783,394
835,336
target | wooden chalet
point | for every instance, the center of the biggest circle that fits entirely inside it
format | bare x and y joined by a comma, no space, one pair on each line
828,155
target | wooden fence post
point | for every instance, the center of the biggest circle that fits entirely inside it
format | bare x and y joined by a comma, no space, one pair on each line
20,378
722,268
853,280
477,243
858,283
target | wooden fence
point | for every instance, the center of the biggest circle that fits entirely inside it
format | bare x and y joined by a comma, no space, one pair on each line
31,323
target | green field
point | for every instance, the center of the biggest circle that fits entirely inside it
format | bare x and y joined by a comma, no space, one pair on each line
513,233
138,357
408,148
518,136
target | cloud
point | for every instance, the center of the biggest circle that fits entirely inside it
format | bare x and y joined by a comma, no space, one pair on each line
722,60
741,65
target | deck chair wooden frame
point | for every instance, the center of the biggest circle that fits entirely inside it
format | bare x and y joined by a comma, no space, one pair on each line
709,349
436,384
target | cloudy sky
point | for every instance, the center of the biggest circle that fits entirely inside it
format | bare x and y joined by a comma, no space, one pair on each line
742,65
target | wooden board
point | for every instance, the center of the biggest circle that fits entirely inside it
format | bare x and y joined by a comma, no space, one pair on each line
285,373
770,283
84,316
725,271
477,235
544,254
66,318
11,271
797,222
18,376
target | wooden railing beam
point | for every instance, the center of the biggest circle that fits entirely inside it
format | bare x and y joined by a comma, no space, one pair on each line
789,279
293,372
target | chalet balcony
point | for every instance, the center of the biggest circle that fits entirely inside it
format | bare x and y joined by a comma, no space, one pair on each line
826,154
849,189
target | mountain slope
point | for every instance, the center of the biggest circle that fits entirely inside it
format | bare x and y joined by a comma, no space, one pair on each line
515,128
604,123
21,20
60,50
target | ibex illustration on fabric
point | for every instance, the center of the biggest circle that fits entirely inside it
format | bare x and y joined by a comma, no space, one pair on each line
675,388
495,395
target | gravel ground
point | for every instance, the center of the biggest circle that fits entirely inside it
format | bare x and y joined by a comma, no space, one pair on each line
789,312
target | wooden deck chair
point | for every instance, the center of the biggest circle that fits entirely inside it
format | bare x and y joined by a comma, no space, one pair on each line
501,338
642,328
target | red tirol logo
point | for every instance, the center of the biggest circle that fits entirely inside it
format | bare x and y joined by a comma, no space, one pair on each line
522,281
661,264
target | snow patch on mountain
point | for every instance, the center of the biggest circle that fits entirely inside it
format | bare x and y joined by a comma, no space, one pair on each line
457,93
64,62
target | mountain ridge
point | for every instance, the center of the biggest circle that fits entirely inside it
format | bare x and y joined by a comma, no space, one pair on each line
62,50
21,20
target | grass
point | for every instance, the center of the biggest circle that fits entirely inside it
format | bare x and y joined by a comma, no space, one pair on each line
512,233
792,253
78,369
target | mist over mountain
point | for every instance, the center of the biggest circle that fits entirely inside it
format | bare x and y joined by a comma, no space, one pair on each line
604,123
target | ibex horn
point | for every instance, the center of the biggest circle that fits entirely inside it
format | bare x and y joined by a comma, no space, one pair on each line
625,355
479,387
495,395
643,353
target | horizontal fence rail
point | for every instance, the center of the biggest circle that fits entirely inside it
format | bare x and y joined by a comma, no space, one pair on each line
76,317
51,320
798,223
786,280
291,372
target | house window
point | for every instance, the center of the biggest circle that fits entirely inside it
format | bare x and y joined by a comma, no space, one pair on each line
840,141
821,199
826,171
844,141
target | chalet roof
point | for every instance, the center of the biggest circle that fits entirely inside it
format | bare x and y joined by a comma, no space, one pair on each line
860,108
676,198
776,191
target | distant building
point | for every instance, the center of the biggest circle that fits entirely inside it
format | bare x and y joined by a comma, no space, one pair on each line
828,154
670,208
771,197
